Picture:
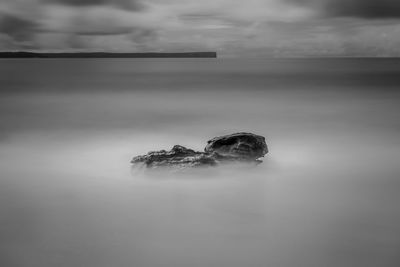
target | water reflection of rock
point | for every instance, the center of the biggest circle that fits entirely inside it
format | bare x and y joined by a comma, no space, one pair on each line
233,148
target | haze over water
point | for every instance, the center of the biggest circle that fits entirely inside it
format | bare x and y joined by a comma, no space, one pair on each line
327,194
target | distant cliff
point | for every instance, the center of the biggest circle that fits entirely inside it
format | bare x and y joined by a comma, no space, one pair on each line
107,55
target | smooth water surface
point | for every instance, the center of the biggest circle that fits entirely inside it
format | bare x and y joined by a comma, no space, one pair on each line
328,193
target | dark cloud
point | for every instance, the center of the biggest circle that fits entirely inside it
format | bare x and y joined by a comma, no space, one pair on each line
18,28
373,9
126,4
104,33
364,8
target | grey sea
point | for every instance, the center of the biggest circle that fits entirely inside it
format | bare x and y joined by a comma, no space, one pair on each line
327,194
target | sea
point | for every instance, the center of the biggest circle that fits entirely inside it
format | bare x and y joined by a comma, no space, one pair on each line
327,193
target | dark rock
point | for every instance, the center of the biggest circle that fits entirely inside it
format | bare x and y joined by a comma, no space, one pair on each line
239,147
243,146
178,157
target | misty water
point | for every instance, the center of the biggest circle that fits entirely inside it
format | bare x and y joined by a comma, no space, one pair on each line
327,194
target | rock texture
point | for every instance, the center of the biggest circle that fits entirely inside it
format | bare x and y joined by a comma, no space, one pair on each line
238,147
177,157
244,146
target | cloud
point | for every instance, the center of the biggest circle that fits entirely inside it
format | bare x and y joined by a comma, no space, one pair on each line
368,9
230,27
364,8
18,28
96,28
126,4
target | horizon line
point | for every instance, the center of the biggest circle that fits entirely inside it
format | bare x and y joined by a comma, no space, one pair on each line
100,54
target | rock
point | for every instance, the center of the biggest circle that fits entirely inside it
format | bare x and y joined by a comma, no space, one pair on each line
243,146
239,147
178,157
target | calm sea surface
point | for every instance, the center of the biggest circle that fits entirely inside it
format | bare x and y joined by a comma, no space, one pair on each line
328,194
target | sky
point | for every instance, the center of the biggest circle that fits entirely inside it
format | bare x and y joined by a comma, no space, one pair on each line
233,28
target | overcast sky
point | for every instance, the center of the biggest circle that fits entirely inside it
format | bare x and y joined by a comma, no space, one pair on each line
248,28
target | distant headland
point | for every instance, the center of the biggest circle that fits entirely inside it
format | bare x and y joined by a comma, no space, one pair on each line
22,54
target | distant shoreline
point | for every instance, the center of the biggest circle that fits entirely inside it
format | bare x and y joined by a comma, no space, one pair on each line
108,55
